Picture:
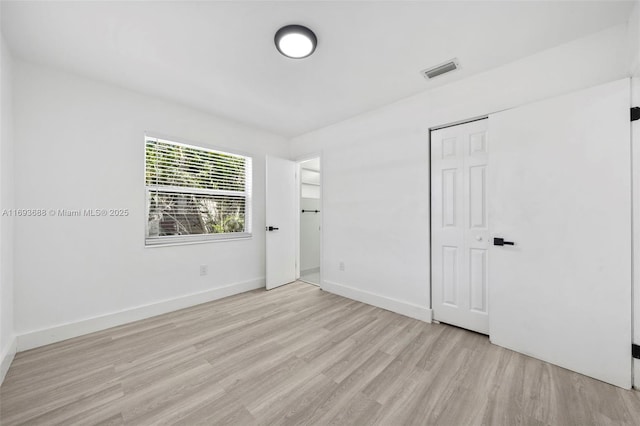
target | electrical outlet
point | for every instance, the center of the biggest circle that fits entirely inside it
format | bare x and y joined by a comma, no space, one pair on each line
341,265
204,270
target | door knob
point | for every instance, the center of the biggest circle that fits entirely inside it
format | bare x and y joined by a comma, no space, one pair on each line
478,237
502,242
272,228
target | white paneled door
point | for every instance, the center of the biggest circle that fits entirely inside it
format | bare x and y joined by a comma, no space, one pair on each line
280,222
459,225
560,190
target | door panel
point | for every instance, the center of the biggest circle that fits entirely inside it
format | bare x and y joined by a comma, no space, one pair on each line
459,225
280,214
450,275
477,197
478,284
560,188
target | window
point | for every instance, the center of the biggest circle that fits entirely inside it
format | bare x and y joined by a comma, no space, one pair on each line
195,194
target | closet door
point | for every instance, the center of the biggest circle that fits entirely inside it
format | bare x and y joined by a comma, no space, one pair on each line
459,227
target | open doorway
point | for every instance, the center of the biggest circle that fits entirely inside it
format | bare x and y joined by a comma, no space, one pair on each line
310,220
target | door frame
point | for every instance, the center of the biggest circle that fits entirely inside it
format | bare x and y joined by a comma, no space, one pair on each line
635,231
430,161
298,160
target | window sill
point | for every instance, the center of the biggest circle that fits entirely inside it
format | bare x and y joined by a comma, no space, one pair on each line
160,243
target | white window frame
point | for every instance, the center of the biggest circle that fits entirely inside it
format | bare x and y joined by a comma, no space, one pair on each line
170,240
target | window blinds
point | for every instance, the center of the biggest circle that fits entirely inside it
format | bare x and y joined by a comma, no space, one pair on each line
195,193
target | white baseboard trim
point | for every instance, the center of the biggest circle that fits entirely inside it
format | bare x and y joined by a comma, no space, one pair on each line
636,373
7,358
62,332
393,305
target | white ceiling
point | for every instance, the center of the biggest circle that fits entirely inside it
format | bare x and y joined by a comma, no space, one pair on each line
220,56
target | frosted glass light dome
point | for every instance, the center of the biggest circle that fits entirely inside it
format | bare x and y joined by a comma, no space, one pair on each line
295,41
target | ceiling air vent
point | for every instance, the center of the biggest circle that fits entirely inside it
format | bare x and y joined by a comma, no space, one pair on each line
440,69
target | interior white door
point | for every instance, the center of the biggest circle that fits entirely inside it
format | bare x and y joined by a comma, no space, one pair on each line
560,185
459,227
280,221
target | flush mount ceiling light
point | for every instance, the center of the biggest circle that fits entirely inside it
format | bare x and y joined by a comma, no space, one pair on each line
295,41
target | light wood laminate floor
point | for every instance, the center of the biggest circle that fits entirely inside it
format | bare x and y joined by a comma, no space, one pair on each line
297,355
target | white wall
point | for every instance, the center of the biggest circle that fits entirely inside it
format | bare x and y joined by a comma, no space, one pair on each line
376,167
7,335
79,144
309,235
